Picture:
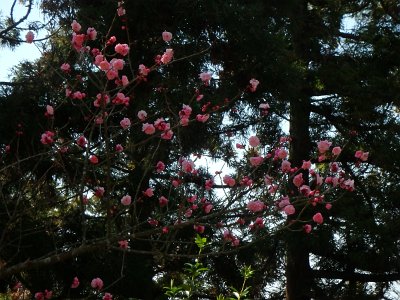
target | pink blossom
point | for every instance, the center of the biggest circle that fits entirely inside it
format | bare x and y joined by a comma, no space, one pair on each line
239,146
188,213
29,37
65,67
306,165
120,10
246,181
255,206
209,184
39,296
126,200
228,180
143,70
163,201
166,36
47,138
273,188
289,209
256,160
187,165
148,193
92,33
258,223
207,208
185,111
167,135
117,64
142,115
125,123
348,185
318,218
120,98
97,61
205,77
148,128
285,166
124,80
122,49
281,153
99,191
160,166
305,190
323,146
284,201
298,180
152,222
202,118
97,283
307,228
334,167
184,121
93,159
123,244
254,141
107,296
82,141
167,56
253,84
101,99
75,283
363,156
264,106
199,228
336,151
111,74
119,148
77,41
76,26
328,206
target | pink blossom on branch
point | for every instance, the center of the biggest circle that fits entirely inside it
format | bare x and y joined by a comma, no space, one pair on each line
125,123
122,49
205,77
97,283
47,138
253,84
75,283
76,26
167,56
29,37
126,200
254,141
166,36
255,206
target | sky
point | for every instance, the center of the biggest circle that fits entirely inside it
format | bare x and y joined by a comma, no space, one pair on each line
8,57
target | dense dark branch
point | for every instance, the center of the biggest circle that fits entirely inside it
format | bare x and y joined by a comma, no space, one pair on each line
356,276
349,36
50,260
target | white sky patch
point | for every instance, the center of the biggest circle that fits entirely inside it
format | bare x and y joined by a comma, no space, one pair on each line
10,58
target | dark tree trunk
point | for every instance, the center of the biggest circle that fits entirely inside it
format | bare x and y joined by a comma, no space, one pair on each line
298,272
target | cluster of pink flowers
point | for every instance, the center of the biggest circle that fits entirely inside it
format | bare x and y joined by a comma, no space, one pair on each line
255,206
43,295
47,138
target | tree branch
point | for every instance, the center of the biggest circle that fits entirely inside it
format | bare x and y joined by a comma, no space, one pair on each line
15,24
356,276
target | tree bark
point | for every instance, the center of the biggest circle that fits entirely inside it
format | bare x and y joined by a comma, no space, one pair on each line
298,271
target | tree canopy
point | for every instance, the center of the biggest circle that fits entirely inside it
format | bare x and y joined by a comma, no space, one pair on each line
108,140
